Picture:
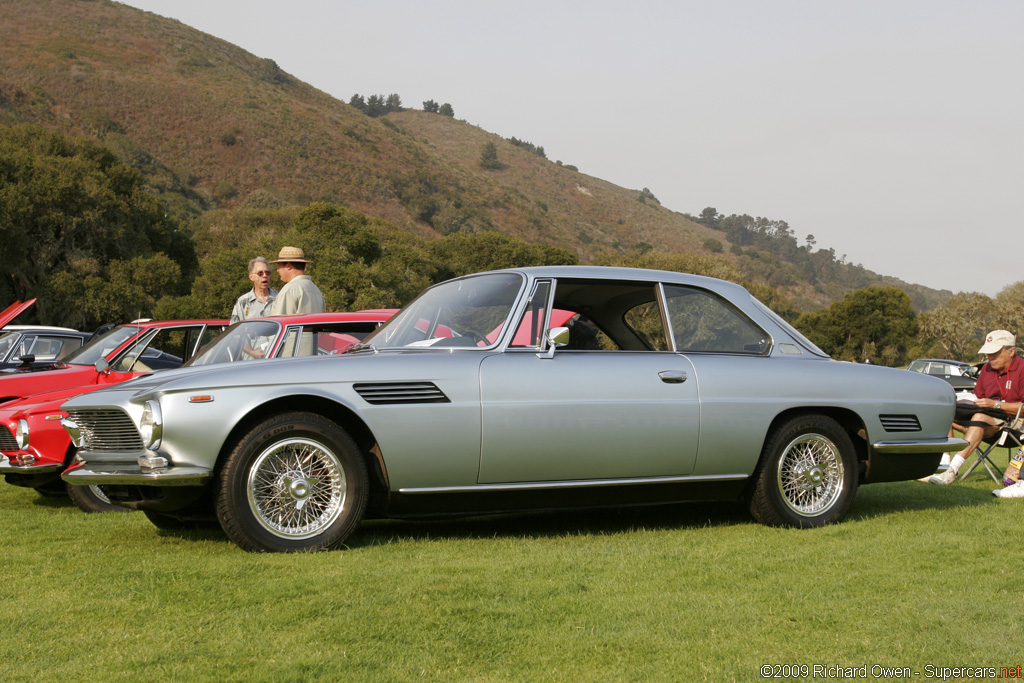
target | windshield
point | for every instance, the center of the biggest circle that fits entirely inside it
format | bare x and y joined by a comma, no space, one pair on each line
103,345
460,313
246,340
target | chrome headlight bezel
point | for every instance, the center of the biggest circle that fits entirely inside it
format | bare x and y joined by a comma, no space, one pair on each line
21,434
151,425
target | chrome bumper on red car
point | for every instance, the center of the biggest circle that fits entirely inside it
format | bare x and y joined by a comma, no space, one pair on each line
23,463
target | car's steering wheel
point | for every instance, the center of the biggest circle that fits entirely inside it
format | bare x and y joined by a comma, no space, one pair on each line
476,336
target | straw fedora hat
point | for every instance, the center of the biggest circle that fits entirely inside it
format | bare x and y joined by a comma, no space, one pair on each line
291,255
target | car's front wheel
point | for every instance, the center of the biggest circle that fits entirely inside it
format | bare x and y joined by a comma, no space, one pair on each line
808,474
296,482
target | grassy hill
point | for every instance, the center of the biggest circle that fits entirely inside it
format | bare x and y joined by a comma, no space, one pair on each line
213,126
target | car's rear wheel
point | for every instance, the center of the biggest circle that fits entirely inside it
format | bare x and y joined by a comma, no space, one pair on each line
92,499
296,482
808,474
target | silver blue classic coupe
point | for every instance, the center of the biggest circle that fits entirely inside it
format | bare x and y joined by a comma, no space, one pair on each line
517,389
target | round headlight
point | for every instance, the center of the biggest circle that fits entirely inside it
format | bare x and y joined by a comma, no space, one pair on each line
151,426
21,434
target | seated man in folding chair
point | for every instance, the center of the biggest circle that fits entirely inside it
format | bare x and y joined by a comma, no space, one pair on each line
1000,386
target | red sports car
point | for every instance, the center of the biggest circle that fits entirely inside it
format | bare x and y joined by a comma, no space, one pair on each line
114,356
35,449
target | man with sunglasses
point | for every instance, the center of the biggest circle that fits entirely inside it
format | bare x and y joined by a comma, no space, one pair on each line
257,302
1000,390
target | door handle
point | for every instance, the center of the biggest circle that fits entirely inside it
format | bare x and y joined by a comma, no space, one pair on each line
672,376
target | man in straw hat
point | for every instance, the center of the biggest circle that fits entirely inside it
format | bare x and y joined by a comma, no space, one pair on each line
1000,390
299,294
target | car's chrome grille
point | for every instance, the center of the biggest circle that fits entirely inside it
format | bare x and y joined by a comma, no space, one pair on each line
389,393
900,423
7,441
107,430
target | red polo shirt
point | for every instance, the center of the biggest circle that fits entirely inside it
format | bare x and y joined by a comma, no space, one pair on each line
1005,386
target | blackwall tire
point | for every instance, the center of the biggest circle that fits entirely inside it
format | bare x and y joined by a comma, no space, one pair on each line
92,499
295,483
808,476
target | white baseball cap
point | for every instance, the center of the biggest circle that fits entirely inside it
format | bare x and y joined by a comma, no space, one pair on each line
996,340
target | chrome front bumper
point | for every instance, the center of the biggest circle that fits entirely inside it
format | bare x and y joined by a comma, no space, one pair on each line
8,467
112,475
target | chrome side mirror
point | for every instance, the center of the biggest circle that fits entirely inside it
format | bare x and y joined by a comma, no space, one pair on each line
555,337
102,366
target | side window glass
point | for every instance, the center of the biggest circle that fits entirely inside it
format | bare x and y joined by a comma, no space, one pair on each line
7,342
294,342
290,344
129,357
168,348
584,335
645,320
609,315
26,346
530,333
45,348
334,339
175,344
198,337
701,321
67,346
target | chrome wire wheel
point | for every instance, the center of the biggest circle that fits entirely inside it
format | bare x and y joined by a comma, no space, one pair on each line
810,474
296,488
100,494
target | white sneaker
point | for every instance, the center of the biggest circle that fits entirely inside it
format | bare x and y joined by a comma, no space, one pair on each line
1011,491
947,477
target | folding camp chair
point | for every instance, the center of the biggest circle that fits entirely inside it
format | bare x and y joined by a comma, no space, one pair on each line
1009,436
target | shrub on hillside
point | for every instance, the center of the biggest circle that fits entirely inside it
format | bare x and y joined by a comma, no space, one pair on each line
224,190
646,194
489,157
539,151
713,245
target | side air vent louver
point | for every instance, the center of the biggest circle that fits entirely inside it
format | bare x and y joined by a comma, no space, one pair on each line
107,430
7,441
392,393
900,423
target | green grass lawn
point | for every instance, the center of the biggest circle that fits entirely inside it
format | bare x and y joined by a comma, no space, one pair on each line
918,575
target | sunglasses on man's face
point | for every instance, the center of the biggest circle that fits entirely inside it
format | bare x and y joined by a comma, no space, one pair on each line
261,272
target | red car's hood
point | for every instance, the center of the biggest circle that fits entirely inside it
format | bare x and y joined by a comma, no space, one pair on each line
50,400
14,310
19,385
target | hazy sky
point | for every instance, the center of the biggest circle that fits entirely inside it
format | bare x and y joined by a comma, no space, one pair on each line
890,130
